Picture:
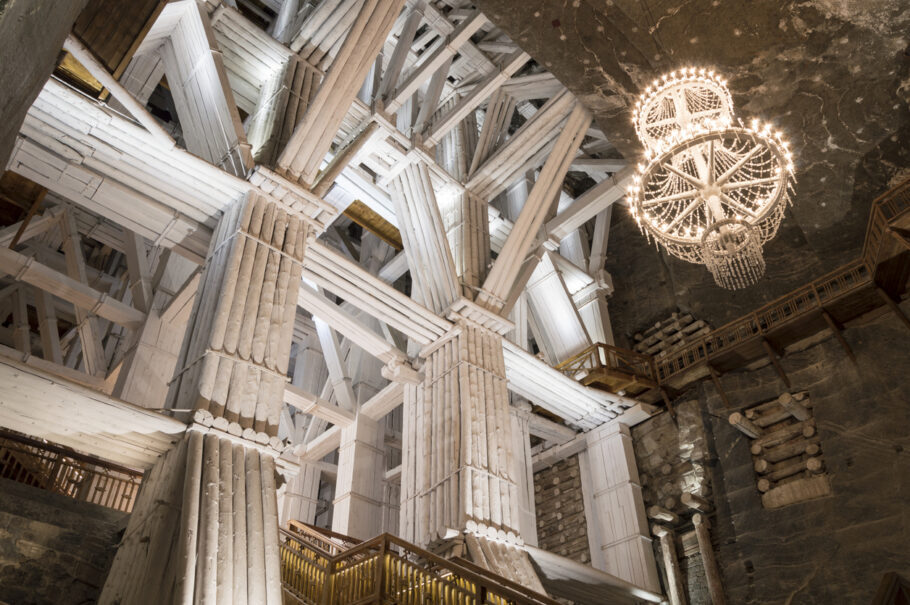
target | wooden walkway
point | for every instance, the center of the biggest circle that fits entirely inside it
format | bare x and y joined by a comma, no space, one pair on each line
878,278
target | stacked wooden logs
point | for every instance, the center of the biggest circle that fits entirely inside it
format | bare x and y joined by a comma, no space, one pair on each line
204,529
234,363
785,447
669,335
458,474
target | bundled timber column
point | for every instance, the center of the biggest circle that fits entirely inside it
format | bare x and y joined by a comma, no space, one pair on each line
458,476
205,528
467,224
617,524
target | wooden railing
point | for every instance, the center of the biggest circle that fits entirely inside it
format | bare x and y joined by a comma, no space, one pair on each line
808,299
386,569
603,356
63,471
886,209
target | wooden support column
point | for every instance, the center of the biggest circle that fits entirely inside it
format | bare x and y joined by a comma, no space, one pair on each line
209,505
235,358
301,498
773,357
313,136
457,459
712,571
199,85
895,308
47,326
358,487
671,564
204,528
147,366
617,522
138,267
520,414
429,254
21,334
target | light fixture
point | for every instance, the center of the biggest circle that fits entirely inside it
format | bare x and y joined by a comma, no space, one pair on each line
709,192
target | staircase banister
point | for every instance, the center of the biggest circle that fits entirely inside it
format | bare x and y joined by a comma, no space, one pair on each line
294,537
483,577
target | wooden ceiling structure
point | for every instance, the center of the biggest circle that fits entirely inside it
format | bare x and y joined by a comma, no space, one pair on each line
421,122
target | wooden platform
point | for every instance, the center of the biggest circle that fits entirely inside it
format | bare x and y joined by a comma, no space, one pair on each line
845,294
880,275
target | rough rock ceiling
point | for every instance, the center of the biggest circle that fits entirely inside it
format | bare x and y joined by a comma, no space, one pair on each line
833,74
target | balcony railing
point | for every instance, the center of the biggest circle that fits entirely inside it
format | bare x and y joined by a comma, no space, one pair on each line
63,471
806,300
600,356
385,569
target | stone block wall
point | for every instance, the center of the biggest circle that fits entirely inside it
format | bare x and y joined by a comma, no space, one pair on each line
53,550
672,456
561,525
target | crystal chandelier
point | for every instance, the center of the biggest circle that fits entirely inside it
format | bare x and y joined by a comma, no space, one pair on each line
709,191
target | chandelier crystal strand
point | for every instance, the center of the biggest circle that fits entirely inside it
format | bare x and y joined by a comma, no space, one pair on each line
709,191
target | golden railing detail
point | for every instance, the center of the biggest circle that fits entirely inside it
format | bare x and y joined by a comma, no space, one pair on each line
63,471
604,356
383,570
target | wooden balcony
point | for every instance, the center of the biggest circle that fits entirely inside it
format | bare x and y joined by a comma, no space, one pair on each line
64,471
613,369
878,278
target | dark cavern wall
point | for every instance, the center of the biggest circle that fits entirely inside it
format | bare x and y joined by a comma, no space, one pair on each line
834,549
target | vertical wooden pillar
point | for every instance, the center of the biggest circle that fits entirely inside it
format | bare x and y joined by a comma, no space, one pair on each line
671,565
458,471
358,488
616,517
205,528
235,357
712,571
520,413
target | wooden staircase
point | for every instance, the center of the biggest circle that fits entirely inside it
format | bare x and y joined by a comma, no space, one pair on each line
320,567
877,278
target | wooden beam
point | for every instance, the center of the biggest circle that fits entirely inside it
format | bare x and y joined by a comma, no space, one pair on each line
895,308
507,267
321,446
98,71
341,383
28,217
836,331
434,59
346,325
383,402
309,403
772,356
716,380
82,296
440,127
47,326
595,200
